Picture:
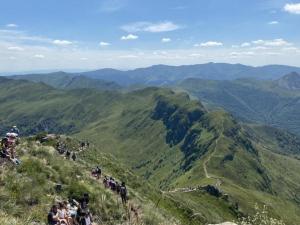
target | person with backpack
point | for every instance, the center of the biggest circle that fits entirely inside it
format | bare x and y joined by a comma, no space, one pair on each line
123,193
98,172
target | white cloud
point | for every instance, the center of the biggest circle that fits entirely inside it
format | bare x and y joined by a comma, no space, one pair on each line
259,48
150,27
21,36
242,53
83,58
103,44
165,40
290,49
128,56
196,55
39,56
273,22
129,37
272,43
11,25
12,58
246,44
293,8
62,42
209,44
15,48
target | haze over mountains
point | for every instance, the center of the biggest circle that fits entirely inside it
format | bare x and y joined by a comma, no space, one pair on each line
163,74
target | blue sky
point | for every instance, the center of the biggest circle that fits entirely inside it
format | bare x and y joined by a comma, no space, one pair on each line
83,35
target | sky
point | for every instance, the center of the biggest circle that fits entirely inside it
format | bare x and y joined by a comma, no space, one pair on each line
79,35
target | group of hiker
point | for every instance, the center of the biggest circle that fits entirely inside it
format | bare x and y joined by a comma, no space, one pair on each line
9,144
63,149
71,212
117,187
111,183
84,145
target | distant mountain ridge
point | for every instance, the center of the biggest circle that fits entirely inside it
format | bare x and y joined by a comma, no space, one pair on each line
290,81
159,75
271,102
63,80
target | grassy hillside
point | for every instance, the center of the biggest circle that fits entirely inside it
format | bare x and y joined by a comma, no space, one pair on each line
169,140
28,191
268,102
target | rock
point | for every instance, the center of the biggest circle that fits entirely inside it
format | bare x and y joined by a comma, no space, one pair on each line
212,190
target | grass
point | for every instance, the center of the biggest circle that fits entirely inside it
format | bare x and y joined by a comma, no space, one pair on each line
154,139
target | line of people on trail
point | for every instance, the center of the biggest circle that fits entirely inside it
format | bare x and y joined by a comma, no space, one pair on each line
115,186
63,149
9,144
112,184
71,212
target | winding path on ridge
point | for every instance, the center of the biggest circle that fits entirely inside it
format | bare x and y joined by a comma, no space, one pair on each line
219,181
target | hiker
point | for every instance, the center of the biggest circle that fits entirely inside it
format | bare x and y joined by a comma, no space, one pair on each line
82,145
74,156
118,187
112,184
84,201
15,130
88,144
105,182
4,148
68,154
87,220
53,217
98,172
123,193
10,144
62,213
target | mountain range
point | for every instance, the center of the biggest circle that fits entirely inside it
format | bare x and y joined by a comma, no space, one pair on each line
172,143
271,102
159,75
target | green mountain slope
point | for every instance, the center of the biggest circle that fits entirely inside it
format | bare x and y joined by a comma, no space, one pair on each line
269,102
172,142
29,190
